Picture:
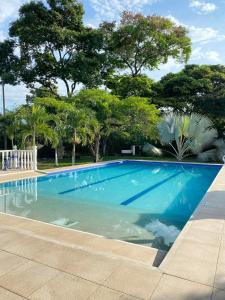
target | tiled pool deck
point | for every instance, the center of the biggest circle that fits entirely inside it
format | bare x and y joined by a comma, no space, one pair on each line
43,261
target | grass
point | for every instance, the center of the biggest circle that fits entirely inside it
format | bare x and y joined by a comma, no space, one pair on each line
49,163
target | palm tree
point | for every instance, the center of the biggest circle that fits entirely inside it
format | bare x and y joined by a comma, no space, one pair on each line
9,124
34,123
77,121
59,127
186,134
12,126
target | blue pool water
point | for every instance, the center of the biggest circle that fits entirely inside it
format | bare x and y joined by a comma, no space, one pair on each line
140,202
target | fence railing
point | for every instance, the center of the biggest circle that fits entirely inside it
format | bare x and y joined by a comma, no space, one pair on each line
19,159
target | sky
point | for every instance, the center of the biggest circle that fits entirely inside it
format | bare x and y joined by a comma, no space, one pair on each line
204,20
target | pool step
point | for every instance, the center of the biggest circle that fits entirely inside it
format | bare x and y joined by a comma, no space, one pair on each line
88,242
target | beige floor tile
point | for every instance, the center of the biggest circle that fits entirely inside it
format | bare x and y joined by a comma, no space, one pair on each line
27,278
134,280
220,179
66,287
218,295
203,236
103,293
144,254
199,251
193,262
173,288
8,236
9,262
220,276
220,272
7,295
67,236
222,253
217,187
101,244
204,222
78,262
25,246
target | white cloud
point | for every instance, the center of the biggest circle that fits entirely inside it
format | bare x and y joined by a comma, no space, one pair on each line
205,34
201,35
198,54
213,56
203,7
9,9
112,9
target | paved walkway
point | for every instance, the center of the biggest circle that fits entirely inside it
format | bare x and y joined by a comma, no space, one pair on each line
43,261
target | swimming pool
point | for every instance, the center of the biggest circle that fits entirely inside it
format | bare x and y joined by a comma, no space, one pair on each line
146,203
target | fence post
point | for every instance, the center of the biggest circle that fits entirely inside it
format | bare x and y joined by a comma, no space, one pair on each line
35,158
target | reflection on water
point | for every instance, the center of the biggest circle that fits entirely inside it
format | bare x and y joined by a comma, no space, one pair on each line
163,198
166,233
18,200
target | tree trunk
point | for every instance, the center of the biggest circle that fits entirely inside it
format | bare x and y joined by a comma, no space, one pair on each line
56,157
3,112
104,147
74,154
97,146
34,138
74,147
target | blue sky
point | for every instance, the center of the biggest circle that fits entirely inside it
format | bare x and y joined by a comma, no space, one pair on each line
203,18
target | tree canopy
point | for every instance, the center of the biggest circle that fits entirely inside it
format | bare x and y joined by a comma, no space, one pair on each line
126,85
55,45
188,89
140,42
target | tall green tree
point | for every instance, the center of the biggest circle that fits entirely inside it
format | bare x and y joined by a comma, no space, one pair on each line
55,45
34,123
138,43
103,121
58,109
188,89
77,123
139,120
197,88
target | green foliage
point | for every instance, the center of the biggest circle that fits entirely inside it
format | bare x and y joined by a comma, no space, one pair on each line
54,44
186,134
126,86
105,117
8,62
42,92
34,122
139,119
140,42
9,124
189,89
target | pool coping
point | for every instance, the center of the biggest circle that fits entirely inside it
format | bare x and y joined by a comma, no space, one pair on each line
196,258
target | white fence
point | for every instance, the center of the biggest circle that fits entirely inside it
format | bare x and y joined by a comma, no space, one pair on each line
19,159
